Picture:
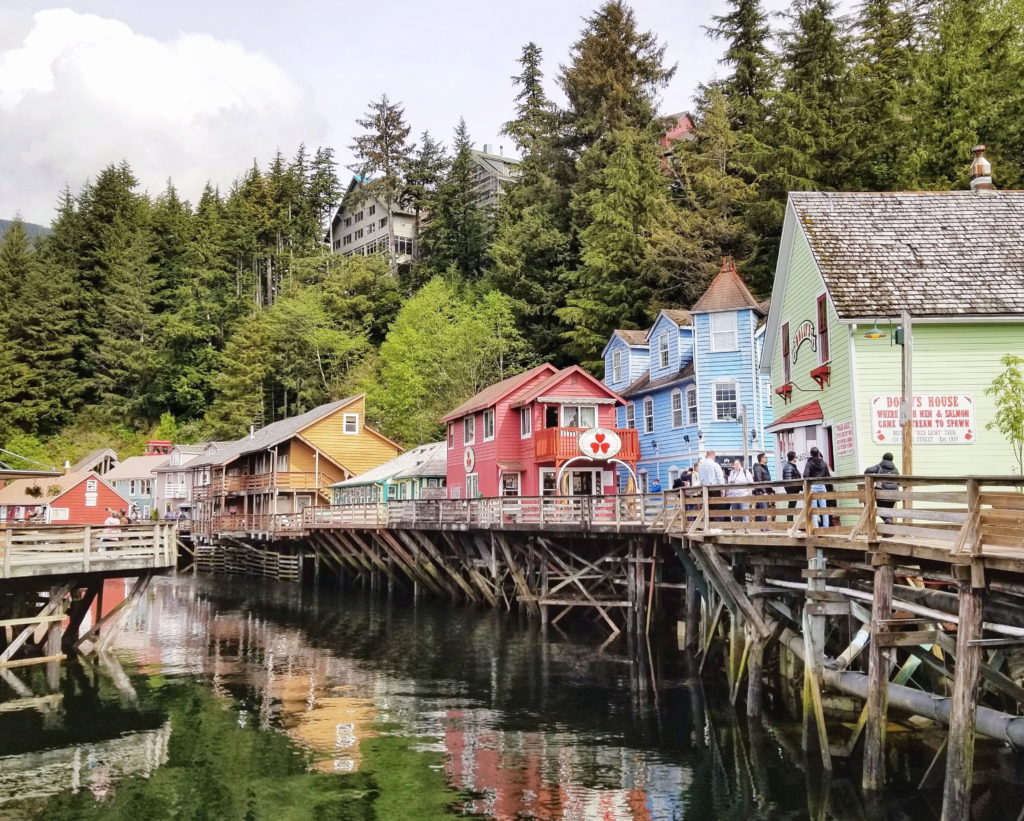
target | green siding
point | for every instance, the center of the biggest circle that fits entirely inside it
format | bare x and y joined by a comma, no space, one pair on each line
953,357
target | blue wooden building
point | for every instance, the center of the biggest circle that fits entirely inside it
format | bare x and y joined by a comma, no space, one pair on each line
693,382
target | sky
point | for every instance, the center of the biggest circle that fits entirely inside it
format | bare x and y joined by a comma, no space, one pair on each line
195,90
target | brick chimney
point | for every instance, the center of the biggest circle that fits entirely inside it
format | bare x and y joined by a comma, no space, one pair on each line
981,171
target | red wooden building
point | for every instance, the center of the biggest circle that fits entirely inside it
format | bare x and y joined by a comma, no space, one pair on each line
514,437
81,498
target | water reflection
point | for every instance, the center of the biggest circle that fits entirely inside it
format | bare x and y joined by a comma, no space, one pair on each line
229,699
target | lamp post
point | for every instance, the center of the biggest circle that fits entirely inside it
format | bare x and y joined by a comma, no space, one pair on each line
907,403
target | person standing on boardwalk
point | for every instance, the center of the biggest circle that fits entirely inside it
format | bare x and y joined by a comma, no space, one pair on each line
885,467
709,472
816,469
761,474
791,471
738,477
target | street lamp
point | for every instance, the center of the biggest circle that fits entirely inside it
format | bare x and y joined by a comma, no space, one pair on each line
903,336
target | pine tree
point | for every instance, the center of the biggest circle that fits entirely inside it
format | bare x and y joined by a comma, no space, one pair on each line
241,385
613,286
456,239
382,156
426,171
748,88
324,187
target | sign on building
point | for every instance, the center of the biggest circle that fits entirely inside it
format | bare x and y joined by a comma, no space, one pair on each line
939,419
842,438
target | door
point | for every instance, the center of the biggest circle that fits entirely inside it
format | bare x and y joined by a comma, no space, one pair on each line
510,484
585,482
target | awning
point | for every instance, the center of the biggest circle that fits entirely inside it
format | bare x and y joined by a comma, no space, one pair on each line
802,417
511,466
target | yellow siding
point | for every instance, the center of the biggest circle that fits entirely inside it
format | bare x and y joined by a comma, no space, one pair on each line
358,452
303,457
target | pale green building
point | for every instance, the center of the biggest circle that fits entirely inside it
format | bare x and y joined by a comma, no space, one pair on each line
849,263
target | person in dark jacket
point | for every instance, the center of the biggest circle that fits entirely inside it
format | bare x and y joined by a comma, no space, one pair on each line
790,471
885,467
816,470
762,474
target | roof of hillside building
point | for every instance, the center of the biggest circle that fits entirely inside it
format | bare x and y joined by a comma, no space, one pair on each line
644,383
189,454
94,458
270,435
136,467
493,394
499,164
727,292
932,253
429,460
14,493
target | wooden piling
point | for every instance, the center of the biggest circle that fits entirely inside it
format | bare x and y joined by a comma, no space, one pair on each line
873,777
755,661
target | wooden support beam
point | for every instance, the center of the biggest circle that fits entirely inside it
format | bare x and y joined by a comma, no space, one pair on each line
956,793
813,706
755,662
873,779
54,605
525,594
731,587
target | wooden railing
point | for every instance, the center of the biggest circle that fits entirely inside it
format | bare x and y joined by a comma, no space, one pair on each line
557,444
55,549
284,480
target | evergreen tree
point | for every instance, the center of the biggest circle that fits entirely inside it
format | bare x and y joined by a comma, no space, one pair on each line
426,171
456,239
241,385
748,88
613,286
324,188
382,155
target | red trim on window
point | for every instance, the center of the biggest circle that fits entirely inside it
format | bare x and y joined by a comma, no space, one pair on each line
823,351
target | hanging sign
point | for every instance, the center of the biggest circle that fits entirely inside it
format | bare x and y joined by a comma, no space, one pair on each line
804,333
600,443
468,460
939,419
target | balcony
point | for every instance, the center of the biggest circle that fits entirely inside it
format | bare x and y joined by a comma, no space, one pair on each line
290,480
559,444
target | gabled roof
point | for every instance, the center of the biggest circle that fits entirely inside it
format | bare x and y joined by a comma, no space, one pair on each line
633,338
932,253
92,458
677,315
271,435
645,384
424,460
532,392
798,417
493,394
136,467
14,493
727,292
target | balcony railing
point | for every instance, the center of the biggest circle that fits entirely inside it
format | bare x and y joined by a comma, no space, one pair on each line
283,480
558,444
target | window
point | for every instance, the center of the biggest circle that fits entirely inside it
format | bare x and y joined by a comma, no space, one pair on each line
616,366
282,462
579,416
823,353
371,228
469,430
663,351
350,423
525,421
359,216
132,487
677,409
787,364
488,424
472,485
691,406
451,435
359,234
725,401
648,415
630,415
723,332
348,222
404,245
383,221
347,240
673,474
371,210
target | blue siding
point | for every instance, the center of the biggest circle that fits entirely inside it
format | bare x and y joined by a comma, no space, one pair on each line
634,363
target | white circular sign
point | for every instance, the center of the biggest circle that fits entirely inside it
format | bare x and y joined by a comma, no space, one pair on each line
600,443
468,460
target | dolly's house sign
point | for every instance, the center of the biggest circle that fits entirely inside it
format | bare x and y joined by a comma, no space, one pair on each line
939,419
804,333
600,443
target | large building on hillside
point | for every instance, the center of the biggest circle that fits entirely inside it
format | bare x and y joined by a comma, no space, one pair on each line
363,225
849,265
692,381
491,173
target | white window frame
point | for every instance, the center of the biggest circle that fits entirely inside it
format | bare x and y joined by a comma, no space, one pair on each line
726,383
488,418
579,414
472,485
692,415
469,430
526,422
631,415
616,366
724,338
677,408
346,419
451,435
663,350
648,414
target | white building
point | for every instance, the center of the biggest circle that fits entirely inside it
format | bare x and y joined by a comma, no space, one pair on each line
490,174
362,226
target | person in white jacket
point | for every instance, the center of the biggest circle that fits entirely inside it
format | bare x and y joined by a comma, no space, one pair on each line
738,477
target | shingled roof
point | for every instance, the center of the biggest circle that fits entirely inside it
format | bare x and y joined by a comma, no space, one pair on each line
632,337
727,292
933,253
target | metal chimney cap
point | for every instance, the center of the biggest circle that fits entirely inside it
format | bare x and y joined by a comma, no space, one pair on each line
978,149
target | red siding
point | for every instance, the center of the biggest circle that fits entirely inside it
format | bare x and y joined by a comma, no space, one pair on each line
78,513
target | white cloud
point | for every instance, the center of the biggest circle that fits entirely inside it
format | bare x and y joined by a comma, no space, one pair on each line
78,92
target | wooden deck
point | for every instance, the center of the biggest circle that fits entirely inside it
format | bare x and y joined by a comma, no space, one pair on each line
55,550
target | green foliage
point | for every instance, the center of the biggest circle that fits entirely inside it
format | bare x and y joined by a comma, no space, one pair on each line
1008,390
749,54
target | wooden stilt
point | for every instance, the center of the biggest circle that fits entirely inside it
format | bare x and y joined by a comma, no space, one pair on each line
873,777
692,635
956,793
755,663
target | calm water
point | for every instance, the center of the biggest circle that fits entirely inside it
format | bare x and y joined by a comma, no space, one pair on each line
241,700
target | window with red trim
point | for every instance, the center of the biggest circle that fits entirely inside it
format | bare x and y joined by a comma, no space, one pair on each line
823,353
787,365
